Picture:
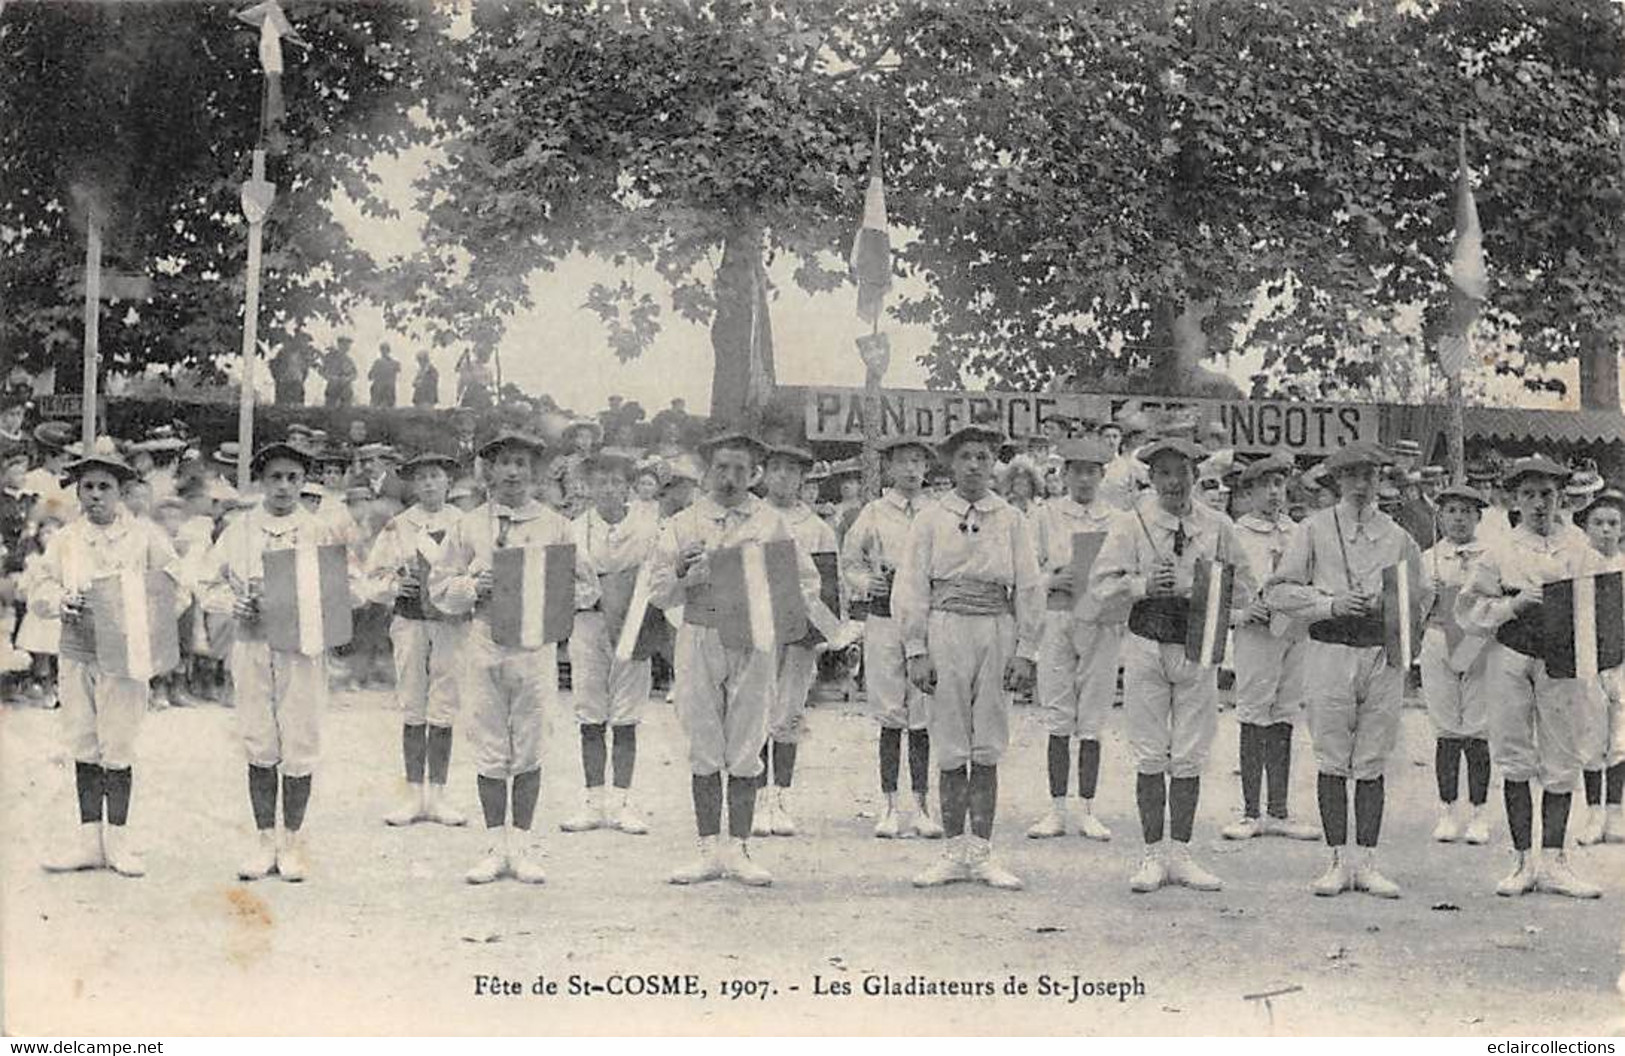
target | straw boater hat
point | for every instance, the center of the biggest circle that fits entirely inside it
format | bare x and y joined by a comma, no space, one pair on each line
280,449
1606,497
159,440
375,450
103,456
1583,485
226,454
54,435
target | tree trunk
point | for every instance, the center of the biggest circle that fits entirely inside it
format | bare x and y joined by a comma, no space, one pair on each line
742,377
1599,372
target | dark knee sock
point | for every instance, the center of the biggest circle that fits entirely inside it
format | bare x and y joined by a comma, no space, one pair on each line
1332,791
1477,751
984,799
784,763
493,801
954,792
527,789
762,778
88,782
592,753
1183,794
891,757
1593,783
117,784
1447,753
623,756
1088,768
295,798
919,762
1278,766
741,805
262,784
1368,803
415,752
1151,796
1616,783
439,754
1520,804
707,792
1554,819
1252,767
1060,765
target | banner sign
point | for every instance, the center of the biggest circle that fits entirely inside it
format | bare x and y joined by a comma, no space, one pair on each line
1250,426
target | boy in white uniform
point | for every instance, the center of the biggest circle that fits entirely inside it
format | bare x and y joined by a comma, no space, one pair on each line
101,712
870,554
1331,576
427,645
1269,655
1602,742
1170,703
1532,716
782,477
1455,699
724,695
1077,659
615,537
508,688
970,598
279,695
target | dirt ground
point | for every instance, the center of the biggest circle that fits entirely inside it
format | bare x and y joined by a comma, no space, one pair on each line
386,938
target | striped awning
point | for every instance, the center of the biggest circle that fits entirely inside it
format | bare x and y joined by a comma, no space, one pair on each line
1421,422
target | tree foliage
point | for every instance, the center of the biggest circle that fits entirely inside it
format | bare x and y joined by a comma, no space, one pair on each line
150,111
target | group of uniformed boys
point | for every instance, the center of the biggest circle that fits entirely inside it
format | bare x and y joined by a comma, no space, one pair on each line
965,602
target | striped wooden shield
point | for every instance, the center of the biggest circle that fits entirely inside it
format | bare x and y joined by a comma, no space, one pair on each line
1402,614
829,596
1585,625
137,634
757,592
1213,588
637,628
1085,548
305,601
533,597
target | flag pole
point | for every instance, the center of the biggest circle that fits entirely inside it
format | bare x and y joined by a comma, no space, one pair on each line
874,365
93,298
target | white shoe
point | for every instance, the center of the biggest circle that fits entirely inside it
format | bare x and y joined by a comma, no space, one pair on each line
1613,829
261,861
1448,830
84,851
494,863
1270,825
1368,878
120,857
1557,877
410,809
439,811
1092,827
290,858
1151,874
1052,824
1523,878
948,868
1336,879
1478,828
925,826
527,865
783,823
590,816
743,869
1187,872
1589,832
1242,829
985,868
890,826
627,819
762,817
708,866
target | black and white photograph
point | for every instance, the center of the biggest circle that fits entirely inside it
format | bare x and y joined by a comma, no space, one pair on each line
799,518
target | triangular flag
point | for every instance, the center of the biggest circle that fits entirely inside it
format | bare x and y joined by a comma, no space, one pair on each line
870,260
1469,276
